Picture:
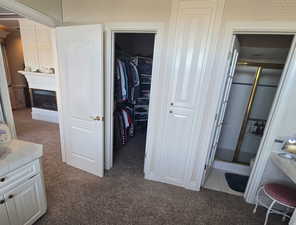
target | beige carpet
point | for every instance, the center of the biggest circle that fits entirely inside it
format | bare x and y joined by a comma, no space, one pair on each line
123,196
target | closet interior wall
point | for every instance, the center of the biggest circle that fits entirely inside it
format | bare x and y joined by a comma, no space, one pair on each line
273,50
132,82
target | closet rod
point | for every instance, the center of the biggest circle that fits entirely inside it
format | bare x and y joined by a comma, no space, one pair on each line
263,65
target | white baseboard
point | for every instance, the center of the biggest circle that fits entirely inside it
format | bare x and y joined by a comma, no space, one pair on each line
45,115
232,167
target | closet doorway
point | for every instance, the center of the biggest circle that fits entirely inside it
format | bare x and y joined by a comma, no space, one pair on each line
255,72
132,71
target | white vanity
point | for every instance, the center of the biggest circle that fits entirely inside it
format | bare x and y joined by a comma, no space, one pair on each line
288,167
22,192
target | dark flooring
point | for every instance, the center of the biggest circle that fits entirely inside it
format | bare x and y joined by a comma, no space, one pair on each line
123,196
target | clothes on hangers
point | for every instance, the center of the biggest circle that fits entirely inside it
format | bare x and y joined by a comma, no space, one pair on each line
127,81
132,91
123,126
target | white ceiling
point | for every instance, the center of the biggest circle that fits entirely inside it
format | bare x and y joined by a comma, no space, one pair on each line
265,48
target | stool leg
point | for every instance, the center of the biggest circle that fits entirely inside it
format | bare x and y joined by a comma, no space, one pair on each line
257,200
268,212
285,216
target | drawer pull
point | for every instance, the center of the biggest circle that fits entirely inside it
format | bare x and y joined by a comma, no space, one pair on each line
2,202
10,196
2,179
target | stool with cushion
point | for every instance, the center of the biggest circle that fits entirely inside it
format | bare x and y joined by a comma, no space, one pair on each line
277,198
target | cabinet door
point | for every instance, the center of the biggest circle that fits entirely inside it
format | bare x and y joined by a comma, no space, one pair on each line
28,36
44,46
26,202
4,219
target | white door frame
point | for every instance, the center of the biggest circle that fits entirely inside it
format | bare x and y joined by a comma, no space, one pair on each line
252,27
110,30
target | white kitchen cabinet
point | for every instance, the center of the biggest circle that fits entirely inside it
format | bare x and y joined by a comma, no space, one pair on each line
28,37
37,45
3,211
22,192
44,46
25,202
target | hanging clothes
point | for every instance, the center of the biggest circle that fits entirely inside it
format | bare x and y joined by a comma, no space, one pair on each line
132,91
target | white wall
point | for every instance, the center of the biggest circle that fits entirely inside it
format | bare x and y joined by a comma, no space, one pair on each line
263,10
102,11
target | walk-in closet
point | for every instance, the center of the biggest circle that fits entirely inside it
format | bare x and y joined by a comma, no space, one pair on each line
133,62
254,74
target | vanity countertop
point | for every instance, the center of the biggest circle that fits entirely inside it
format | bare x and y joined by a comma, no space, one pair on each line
288,166
18,154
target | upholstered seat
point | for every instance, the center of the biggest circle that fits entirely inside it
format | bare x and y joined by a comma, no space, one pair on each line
281,193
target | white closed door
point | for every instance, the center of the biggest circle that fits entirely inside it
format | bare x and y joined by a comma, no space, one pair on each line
4,219
24,203
192,26
80,55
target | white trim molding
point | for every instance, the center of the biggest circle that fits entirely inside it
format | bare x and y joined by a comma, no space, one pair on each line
45,115
110,29
43,81
264,150
29,13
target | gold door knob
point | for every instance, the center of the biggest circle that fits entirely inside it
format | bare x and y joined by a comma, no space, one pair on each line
97,118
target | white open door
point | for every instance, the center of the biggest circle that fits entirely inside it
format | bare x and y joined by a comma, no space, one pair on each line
80,55
223,104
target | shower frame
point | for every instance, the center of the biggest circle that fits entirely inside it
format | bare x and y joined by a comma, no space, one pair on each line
260,67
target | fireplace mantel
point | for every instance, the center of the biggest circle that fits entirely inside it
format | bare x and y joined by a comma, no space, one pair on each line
43,81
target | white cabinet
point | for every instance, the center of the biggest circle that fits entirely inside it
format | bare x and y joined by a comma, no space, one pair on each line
28,37
44,46
37,45
23,199
3,211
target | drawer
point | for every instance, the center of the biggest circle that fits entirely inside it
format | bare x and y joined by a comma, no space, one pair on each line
21,174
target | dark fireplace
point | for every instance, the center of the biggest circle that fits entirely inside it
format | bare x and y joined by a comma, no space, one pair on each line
44,99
